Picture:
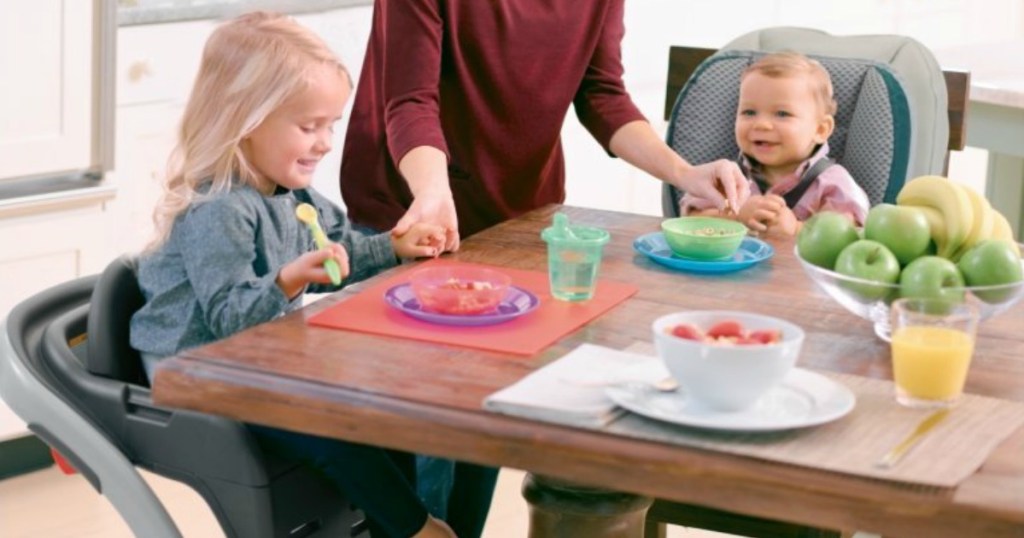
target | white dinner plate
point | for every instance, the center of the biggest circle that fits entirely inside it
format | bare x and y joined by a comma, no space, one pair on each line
803,399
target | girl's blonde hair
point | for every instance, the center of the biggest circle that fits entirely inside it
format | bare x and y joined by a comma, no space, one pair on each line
788,64
251,65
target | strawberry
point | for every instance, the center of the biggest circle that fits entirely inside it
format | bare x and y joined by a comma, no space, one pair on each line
765,336
726,329
687,332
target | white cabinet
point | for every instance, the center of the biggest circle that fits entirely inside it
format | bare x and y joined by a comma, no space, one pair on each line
49,112
154,79
46,47
55,119
48,243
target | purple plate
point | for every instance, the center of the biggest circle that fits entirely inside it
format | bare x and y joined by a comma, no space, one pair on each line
515,303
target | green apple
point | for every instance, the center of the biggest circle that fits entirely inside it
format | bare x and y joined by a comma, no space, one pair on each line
992,262
868,260
823,236
903,229
932,276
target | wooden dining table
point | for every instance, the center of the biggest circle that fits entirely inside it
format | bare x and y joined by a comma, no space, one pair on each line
427,398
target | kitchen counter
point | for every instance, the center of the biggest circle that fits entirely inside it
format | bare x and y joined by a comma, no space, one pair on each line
996,76
995,119
135,12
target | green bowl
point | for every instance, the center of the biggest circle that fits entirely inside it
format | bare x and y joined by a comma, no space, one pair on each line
703,238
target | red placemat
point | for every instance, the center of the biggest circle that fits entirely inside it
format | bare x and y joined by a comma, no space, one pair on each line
526,335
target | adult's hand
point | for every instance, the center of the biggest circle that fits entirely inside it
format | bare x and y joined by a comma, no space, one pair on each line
721,181
425,169
436,208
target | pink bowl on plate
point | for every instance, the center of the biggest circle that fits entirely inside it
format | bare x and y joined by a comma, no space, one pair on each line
459,290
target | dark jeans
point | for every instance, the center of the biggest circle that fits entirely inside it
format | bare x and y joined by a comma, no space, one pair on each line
458,492
376,480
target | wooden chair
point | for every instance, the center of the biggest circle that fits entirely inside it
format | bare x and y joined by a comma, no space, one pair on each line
681,65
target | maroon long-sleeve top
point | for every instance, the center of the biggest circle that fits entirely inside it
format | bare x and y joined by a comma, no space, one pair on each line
489,83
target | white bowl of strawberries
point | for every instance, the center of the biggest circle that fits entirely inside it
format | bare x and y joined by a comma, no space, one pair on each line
726,360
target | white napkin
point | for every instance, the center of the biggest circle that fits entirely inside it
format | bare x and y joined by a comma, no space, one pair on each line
571,390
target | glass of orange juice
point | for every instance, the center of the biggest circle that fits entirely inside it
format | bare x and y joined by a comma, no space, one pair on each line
932,344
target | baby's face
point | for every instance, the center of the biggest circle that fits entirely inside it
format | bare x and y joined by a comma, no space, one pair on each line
779,121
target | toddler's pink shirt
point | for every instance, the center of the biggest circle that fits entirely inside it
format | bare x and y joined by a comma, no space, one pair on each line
834,190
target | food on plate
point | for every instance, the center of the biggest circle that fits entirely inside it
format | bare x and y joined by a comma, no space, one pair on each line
709,231
703,238
726,332
456,284
460,290
461,297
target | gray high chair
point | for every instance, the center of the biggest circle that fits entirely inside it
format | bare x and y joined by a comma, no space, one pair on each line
67,370
898,112
898,116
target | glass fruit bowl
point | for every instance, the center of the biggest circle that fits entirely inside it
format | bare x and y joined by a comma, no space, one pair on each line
871,300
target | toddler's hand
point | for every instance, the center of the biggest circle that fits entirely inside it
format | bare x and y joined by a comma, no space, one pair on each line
761,211
309,269
785,224
419,241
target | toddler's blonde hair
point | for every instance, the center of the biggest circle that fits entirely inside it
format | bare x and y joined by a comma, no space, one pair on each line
788,64
250,66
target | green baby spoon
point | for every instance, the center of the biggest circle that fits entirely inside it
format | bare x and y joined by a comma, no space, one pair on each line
307,213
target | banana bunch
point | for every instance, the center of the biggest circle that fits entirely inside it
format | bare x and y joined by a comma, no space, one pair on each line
959,217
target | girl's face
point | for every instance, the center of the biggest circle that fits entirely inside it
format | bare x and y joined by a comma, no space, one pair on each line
779,121
290,142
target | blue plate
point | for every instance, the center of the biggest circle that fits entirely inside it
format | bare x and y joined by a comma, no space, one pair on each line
751,252
515,303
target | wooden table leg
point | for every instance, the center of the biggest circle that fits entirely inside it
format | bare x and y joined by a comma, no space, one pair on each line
560,509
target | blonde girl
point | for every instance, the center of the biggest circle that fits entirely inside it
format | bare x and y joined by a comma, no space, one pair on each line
229,252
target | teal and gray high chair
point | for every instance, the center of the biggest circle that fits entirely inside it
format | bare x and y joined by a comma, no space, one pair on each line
898,116
67,370
898,112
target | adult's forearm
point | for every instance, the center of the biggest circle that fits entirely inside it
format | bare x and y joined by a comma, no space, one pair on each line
425,169
638,144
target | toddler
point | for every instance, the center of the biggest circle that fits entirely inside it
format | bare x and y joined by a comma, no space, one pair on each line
783,120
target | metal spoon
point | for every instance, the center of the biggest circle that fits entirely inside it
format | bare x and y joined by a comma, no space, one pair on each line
893,457
667,384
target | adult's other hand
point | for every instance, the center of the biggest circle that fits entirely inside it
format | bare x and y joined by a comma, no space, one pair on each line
433,207
721,181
